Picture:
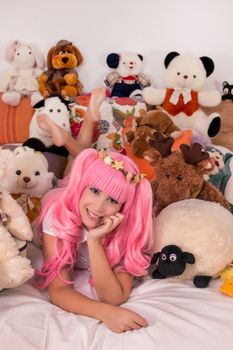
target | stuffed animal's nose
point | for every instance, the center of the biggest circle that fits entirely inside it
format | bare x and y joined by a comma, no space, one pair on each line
185,76
26,179
65,59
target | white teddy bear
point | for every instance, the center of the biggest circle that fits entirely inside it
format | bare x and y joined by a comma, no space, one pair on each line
127,79
22,79
14,268
184,94
28,173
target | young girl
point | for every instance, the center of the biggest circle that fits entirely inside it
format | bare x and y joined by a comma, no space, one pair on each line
100,218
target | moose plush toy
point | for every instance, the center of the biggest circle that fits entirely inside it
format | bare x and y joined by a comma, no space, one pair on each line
21,80
186,76
61,76
180,174
127,78
153,121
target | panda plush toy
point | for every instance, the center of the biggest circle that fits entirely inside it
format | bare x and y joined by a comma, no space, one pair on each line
227,91
127,79
184,94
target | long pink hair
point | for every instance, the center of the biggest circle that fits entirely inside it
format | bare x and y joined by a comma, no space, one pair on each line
129,246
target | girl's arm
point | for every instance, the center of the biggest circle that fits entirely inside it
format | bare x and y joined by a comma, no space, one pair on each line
63,295
111,287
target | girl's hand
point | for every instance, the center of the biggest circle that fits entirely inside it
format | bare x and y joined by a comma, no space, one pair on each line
108,226
119,319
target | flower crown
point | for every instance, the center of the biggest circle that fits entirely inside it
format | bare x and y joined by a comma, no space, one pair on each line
119,165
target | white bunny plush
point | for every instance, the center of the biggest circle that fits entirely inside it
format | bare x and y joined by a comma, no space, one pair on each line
21,80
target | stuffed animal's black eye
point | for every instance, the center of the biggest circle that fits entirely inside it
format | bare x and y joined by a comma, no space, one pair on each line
18,172
51,110
37,173
164,256
124,62
18,53
194,76
58,110
172,257
167,176
29,52
179,177
178,73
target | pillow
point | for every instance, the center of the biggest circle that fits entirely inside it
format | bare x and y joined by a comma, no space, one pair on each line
117,116
15,121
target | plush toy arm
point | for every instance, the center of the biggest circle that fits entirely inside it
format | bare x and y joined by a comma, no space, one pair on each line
71,78
112,79
209,98
144,81
19,224
210,193
6,79
153,96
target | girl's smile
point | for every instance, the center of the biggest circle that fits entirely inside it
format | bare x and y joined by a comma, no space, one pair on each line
95,206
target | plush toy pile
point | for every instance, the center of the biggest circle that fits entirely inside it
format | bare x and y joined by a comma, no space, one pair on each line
15,230
21,80
61,76
184,93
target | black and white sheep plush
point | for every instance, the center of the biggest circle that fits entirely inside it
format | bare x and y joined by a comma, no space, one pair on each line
193,241
57,109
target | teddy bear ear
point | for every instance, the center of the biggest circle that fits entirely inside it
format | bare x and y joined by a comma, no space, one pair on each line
208,65
113,60
170,57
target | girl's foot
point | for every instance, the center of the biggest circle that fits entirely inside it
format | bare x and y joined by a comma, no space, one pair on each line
97,97
59,135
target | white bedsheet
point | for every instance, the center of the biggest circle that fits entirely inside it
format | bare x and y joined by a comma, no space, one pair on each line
180,317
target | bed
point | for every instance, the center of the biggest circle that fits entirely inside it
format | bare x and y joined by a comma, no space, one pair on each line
180,316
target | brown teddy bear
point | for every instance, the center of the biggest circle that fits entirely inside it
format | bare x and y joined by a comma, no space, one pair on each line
179,175
61,76
153,121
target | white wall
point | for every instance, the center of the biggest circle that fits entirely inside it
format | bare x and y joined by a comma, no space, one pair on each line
150,27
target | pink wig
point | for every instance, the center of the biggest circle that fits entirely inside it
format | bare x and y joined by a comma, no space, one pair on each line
129,246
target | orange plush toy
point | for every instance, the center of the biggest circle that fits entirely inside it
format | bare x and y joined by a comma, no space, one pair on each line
61,76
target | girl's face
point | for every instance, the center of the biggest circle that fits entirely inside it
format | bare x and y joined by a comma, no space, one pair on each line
95,206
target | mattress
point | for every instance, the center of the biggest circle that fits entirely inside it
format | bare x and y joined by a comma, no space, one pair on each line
180,316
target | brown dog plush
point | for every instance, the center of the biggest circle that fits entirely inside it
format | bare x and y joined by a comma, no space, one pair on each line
61,77
180,175
153,121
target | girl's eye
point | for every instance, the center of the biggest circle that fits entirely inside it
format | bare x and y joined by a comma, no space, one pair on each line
94,190
113,201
